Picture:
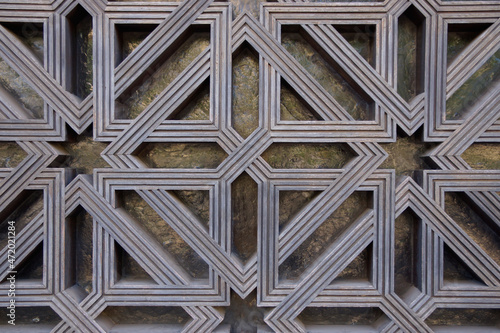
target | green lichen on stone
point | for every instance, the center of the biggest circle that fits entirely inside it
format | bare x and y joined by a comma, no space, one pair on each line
132,39
84,57
406,155
22,211
160,230
482,156
407,58
155,315
83,234
340,316
198,107
358,269
244,212
84,154
307,155
21,91
291,203
11,154
324,235
245,94
479,230
406,233
182,155
457,42
30,34
327,76
292,107
198,202
361,38
471,91
463,317
133,103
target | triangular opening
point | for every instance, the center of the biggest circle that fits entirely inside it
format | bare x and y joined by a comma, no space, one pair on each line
455,271
359,270
459,105
138,209
198,202
478,225
22,210
128,269
30,34
327,72
293,107
162,72
31,268
17,93
245,92
362,38
11,154
326,234
460,35
196,106
128,37
292,203
244,215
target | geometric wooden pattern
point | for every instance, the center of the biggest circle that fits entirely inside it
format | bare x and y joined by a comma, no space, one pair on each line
424,250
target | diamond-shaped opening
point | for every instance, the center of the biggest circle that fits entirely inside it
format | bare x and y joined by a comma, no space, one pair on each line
359,270
40,319
480,83
80,152
292,203
143,319
16,93
198,202
243,315
200,155
411,53
30,34
327,233
245,92
337,319
162,72
308,155
163,233
407,256
464,320
128,37
460,35
196,106
244,212
79,73
11,154
128,269
78,259
327,72
293,107
362,38
483,230
456,272
22,210
481,156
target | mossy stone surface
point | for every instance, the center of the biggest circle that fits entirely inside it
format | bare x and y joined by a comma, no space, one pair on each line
11,154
